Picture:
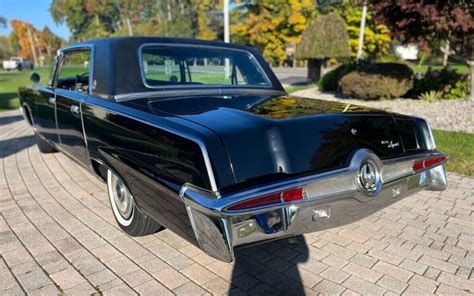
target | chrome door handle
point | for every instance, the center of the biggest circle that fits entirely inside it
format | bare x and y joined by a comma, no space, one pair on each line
74,109
52,100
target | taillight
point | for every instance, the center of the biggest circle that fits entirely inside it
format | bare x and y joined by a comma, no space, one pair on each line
292,194
428,163
270,199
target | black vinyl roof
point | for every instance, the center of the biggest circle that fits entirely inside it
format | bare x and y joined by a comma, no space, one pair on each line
116,64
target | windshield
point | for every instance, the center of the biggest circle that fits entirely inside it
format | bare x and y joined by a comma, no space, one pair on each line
172,65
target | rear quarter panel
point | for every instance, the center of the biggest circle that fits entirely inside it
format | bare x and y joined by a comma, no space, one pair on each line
153,162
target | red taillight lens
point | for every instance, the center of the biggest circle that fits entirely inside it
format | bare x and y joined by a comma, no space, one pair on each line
292,194
427,163
270,199
434,161
418,165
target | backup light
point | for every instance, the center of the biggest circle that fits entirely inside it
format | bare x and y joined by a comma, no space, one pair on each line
289,195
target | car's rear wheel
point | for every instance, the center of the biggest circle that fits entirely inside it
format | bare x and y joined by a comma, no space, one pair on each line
126,213
43,145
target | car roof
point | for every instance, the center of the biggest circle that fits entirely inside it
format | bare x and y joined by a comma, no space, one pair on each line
116,65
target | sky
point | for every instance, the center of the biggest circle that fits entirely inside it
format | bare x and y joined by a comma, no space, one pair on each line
33,11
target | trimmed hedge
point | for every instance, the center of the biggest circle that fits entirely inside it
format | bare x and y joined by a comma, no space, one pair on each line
376,81
330,81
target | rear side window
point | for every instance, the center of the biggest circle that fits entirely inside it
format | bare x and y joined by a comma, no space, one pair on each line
73,73
192,66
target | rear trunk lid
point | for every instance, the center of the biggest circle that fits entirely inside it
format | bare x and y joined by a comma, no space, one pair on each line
286,135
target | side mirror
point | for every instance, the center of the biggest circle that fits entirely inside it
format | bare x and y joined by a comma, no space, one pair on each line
35,77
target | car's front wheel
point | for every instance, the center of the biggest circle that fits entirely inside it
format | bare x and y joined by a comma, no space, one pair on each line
126,213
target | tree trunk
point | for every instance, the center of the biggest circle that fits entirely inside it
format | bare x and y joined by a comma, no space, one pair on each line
314,70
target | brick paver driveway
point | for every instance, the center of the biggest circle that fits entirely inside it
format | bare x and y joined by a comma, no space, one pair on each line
57,234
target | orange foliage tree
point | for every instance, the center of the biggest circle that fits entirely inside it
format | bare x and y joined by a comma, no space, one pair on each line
27,39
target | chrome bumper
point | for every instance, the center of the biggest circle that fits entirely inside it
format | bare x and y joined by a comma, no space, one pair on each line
330,200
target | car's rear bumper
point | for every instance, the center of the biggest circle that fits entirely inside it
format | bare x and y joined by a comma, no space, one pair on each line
331,199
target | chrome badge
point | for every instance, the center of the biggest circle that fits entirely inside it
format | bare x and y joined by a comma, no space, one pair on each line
369,178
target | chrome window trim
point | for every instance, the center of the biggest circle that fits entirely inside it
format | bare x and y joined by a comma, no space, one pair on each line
197,92
91,48
210,86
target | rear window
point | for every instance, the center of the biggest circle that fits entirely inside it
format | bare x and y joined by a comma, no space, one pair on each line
193,66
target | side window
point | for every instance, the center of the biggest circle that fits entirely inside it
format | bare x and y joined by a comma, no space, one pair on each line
73,73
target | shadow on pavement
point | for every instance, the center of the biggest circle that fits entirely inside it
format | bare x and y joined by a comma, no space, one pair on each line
270,269
15,145
10,119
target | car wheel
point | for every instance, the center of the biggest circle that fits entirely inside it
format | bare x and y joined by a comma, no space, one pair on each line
20,68
32,67
126,213
43,145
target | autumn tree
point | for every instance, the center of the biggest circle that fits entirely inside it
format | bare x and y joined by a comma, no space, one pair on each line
428,22
88,19
377,39
27,41
271,25
326,37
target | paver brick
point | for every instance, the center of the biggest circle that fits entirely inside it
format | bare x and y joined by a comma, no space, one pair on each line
362,272
392,270
363,287
392,284
424,283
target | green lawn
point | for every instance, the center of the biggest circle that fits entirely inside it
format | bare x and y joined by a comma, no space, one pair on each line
459,147
460,68
9,83
292,88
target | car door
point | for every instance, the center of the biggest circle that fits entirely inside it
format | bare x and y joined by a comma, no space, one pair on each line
72,88
44,110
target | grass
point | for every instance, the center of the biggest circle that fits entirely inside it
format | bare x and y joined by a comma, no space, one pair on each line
292,88
460,68
9,83
460,148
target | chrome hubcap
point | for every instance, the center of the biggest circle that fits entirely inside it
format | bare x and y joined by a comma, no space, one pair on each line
122,198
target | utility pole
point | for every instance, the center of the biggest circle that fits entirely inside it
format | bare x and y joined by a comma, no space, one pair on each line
226,36
226,22
32,45
362,30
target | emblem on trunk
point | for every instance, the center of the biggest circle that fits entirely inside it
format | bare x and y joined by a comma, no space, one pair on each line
390,144
369,178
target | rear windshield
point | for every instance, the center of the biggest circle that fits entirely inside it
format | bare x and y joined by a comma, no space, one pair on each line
190,66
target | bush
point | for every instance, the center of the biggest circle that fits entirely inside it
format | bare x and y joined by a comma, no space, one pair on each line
330,80
376,81
450,84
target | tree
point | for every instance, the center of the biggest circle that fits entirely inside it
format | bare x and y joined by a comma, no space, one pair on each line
377,39
271,25
27,41
326,37
427,22
88,19
3,21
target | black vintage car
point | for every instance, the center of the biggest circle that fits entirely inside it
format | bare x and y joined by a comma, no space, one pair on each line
200,137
